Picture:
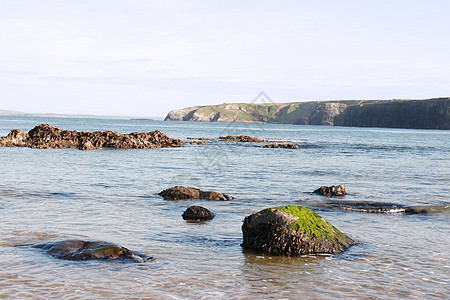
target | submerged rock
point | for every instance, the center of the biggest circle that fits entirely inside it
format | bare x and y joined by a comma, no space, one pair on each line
45,136
292,230
181,192
285,146
375,207
242,138
197,213
334,190
88,250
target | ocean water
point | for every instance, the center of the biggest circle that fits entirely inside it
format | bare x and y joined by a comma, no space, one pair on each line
110,195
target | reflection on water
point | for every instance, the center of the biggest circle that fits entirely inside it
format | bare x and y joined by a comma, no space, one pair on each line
110,195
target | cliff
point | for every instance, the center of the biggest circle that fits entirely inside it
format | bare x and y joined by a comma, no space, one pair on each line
427,114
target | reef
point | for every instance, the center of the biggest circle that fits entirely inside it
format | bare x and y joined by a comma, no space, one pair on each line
45,136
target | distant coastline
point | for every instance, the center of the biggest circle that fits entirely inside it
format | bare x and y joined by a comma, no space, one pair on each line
415,114
54,115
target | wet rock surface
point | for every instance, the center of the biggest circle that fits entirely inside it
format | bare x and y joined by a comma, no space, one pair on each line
282,146
181,192
334,190
375,207
197,213
45,136
89,250
242,138
292,230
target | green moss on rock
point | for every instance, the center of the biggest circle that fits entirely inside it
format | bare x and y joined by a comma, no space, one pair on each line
292,230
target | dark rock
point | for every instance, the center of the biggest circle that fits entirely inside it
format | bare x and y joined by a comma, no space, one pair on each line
292,230
88,250
285,146
201,139
45,136
374,207
334,190
242,138
181,192
197,213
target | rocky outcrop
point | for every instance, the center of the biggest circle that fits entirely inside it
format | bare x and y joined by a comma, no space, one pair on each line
427,114
325,113
292,230
284,146
88,250
334,190
242,138
45,136
181,193
197,213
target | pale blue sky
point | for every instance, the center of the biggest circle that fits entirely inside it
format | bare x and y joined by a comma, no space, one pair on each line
144,58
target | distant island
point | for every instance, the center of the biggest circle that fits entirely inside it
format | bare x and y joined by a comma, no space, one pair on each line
420,114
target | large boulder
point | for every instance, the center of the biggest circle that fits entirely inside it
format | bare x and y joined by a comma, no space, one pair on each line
334,190
181,192
45,136
292,230
88,250
197,213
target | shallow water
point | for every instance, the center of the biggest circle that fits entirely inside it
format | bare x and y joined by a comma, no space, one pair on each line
110,195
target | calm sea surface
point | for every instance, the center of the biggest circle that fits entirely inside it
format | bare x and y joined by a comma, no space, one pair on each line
110,195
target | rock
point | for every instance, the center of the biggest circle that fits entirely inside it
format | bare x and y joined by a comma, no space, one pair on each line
284,146
180,193
16,138
88,250
374,207
292,230
241,138
197,213
201,139
334,190
45,136
199,143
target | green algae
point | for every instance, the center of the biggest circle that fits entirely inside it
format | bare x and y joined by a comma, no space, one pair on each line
312,224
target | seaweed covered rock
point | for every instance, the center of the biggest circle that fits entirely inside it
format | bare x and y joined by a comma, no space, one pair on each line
181,192
45,136
283,146
88,250
197,213
334,190
292,230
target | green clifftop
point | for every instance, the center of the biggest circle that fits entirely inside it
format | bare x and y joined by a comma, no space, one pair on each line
427,114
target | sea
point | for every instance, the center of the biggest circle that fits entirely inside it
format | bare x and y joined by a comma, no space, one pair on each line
111,195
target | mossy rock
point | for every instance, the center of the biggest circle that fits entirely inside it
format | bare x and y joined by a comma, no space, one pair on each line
292,230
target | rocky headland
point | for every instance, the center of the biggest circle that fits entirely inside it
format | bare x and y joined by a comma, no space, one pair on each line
45,136
424,114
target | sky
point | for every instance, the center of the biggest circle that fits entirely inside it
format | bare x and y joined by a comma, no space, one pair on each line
145,57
